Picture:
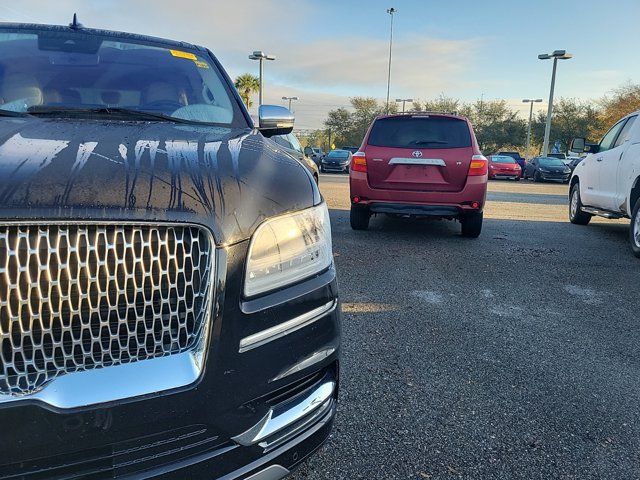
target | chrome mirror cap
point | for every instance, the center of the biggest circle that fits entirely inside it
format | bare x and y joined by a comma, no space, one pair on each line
275,120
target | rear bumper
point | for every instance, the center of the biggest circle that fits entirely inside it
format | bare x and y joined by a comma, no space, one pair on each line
434,203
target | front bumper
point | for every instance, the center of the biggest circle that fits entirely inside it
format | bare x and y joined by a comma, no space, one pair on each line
199,431
555,177
335,167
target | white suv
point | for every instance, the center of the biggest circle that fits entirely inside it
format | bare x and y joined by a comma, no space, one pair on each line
607,181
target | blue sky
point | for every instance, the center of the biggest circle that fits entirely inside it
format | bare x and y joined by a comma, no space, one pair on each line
330,50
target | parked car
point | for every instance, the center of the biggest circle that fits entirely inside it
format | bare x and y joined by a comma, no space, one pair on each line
607,182
547,169
350,149
168,299
504,166
315,154
516,156
422,165
292,146
574,162
336,161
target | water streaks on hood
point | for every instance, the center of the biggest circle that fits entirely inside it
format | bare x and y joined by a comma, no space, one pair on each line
228,179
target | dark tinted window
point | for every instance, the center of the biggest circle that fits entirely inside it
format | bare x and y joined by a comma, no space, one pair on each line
420,132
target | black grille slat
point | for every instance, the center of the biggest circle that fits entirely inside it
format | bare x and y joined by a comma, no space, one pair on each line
78,297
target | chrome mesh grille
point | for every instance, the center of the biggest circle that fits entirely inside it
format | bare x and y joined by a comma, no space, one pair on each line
80,297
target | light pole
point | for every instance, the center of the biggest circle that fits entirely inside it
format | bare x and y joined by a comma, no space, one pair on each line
391,11
290,98
404,100
531,102
556,55
260,55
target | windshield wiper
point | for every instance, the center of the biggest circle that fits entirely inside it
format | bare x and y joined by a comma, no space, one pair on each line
11,113
117,111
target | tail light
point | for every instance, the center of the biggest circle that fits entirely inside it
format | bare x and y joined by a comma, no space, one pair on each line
359,162
479,166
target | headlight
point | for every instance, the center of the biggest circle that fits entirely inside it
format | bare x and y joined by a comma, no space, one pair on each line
287,249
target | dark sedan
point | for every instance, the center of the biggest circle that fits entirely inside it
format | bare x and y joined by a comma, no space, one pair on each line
168,298
336,161
547,168
291,145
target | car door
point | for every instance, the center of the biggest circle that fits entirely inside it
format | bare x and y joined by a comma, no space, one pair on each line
628,140
604,168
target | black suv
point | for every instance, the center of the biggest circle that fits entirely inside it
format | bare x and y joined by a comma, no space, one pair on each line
168,299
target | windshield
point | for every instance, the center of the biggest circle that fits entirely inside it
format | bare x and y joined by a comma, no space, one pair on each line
338,154
57,71
503,159
550,162
420,132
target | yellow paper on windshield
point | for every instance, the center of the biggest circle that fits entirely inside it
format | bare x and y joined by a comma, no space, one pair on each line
180,54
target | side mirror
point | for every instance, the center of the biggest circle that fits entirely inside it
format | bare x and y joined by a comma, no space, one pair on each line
578,145
591,148
308,151
274,120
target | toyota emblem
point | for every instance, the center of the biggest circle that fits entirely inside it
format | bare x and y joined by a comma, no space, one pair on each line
417,154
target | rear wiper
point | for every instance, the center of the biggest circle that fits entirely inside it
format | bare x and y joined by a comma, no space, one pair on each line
429,142
10,113
126,112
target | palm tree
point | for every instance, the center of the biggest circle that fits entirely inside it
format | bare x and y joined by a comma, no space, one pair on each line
246,85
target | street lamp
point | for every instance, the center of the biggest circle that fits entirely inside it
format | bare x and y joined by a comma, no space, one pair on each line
556,55
391,11
290,98
531,102
260,55
404,100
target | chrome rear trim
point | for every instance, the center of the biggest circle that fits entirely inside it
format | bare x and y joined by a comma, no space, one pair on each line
418,161
270,334
288,413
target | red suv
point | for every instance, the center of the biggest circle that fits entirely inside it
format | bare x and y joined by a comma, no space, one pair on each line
420,164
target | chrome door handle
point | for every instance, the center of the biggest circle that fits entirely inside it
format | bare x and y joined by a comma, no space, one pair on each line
599,159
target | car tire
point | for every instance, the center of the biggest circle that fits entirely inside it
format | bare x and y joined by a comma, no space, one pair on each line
359,218
472,224
576,215
536,177
517,179
634,230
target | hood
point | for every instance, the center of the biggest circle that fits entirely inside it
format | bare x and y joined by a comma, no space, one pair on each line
229,180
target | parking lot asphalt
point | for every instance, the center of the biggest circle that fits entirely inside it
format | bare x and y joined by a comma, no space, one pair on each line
516,355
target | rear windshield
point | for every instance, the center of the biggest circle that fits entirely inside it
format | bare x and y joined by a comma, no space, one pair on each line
420,132
504,159
56,70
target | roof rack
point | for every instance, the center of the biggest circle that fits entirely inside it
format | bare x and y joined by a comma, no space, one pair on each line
422,112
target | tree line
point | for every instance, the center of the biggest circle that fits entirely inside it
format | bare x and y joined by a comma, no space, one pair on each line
496,124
